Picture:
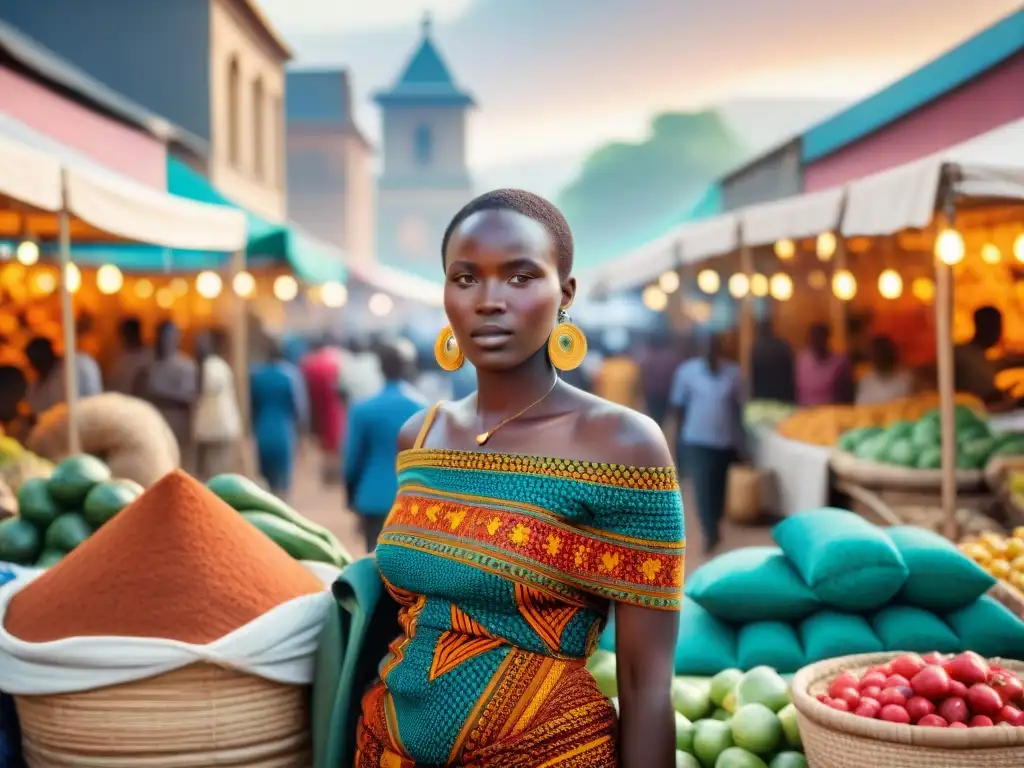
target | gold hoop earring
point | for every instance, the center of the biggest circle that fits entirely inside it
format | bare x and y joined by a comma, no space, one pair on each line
446,350
567,346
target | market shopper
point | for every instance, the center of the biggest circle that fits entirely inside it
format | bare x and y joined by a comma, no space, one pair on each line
974,370
772,368
217,424
887,380
171,383
132,359
371,441
706,411
321,369
523,511
13,388
823,376
48,389
279,412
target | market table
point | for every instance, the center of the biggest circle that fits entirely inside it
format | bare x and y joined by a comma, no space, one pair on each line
801,470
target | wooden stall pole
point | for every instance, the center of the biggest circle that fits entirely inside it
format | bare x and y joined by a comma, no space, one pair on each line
67,313
240,358
944,286
746,329
837,306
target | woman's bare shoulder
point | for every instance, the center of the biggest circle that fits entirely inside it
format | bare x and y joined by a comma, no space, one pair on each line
621,435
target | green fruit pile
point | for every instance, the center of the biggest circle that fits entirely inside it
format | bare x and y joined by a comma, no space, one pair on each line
58,513
918,444
301,538
734,720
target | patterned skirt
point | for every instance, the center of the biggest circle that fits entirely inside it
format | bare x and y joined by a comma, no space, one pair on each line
543,713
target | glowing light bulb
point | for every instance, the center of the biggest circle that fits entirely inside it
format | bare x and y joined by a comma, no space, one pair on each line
109,279
244,284
165,297
44,283
209,284
785,249
27,253
286,288
381,304
654,298
890,284
739,285
781,287
72,278
178,286
1018,248
990,253
949,247
923,289
144,288
333,295
709,281
669,281
844,285
759,285
825,246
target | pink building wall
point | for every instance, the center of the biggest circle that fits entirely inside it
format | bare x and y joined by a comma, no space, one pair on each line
992,100
109,142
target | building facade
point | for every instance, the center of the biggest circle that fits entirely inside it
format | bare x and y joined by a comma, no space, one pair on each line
424,178
214,67
772,176
331,186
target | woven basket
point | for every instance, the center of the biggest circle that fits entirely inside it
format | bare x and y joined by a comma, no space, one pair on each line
195,717
743,494
834,739
1009,596
876,475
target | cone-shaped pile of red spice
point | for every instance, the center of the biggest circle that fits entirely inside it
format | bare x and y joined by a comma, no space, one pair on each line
178,563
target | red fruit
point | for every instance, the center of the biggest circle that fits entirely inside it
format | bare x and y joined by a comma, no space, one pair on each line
839,704
896,681
871,691
894,713
823,698
873,680
1009,714
907,665
932,682
917,707
1008,686
983,699
969,668
935,658
867,710
958,725
954,710
850,696
882,669
932,721
891,696
843,680
981,721
956,688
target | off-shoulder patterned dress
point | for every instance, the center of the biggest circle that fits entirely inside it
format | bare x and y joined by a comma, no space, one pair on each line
504,567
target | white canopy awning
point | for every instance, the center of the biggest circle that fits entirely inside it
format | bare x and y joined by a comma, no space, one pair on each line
637,268
990,165
398,283
792,217
31,169
711,237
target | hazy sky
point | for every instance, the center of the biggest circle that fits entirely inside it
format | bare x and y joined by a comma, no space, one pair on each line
555,78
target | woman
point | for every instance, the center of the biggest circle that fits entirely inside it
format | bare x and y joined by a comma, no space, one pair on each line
523,512
217,426
705,410
823,377
279,412
887,380
171,384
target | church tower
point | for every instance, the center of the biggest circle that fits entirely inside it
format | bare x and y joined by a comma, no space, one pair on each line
424,179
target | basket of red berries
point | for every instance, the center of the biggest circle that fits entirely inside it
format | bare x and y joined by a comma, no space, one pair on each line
905,710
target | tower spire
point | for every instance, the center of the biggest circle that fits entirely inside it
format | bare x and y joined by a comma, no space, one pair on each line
426,24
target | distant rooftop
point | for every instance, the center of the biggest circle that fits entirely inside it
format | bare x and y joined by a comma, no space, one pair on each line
426,79
320,96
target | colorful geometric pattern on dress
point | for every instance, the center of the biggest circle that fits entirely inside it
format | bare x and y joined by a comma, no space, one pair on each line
619,475
465,640
538,549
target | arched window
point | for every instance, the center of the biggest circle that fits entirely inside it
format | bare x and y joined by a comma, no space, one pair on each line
259,142
234,109
424,144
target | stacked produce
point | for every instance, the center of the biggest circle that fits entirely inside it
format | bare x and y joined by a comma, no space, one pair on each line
18,464
55,515
917,444
768,413
825,424
299,537
837,585
732,720
1002,556
931,691
136,608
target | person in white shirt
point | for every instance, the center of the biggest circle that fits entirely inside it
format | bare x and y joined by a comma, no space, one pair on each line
217,421
887,380
359,377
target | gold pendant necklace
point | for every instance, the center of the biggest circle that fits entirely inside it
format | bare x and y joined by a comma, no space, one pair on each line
483,437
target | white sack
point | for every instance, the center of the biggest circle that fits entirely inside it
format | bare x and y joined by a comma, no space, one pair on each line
281,646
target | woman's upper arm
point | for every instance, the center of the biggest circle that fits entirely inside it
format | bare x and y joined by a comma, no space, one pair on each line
645,644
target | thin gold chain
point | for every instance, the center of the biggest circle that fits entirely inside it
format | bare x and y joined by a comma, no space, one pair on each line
483,437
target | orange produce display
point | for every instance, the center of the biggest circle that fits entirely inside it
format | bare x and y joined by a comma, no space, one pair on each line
824,425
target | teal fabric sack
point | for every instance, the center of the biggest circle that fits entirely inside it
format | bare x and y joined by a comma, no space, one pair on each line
909,628
828,634
850,564
988,627
769,643
706,645
752,584
940,577
354,640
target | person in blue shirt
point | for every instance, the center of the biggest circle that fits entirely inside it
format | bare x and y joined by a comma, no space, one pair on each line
706,411
371,443
279,411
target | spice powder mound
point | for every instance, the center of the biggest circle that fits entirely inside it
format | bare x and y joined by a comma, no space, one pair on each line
178,563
